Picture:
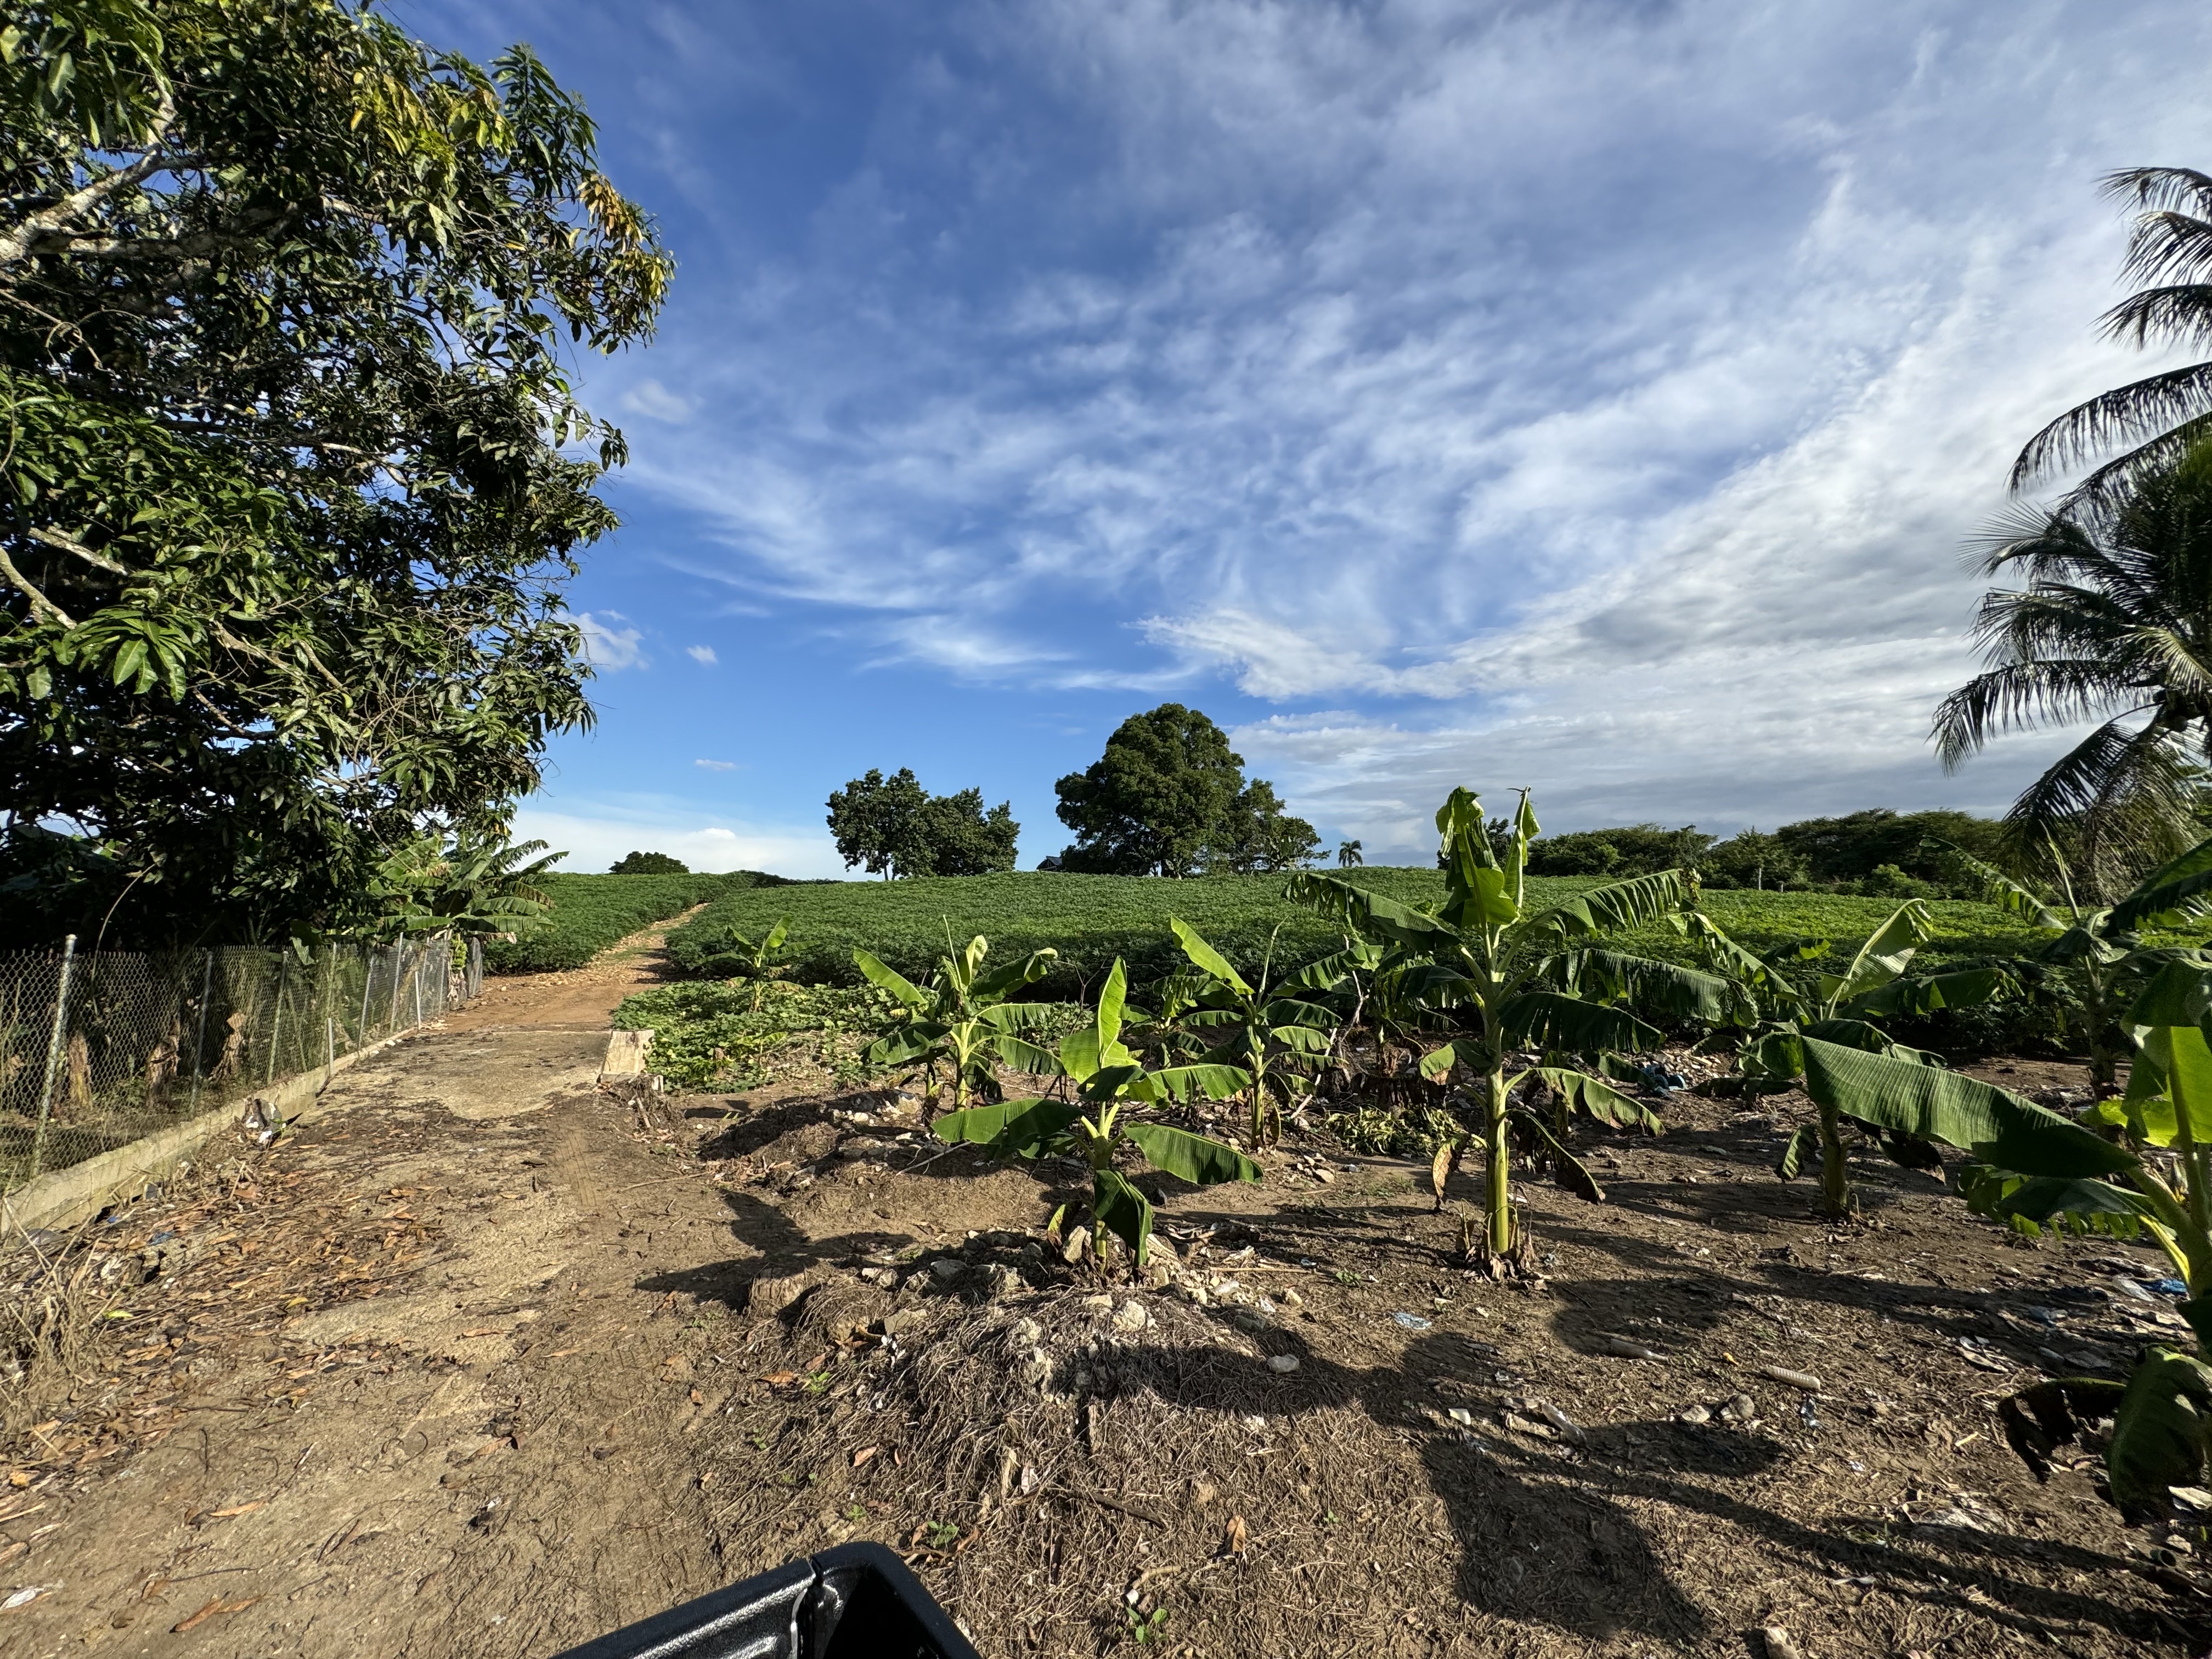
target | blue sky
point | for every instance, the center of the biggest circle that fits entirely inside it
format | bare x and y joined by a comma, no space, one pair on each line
1590,397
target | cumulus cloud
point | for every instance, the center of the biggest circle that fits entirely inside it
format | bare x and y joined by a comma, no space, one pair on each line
594,834
717,765
608,646
702,654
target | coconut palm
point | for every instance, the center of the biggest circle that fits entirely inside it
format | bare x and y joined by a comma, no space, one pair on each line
2113,622
2152,421
1348,855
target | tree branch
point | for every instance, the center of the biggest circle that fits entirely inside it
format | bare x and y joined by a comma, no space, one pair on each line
22,241
40,604
54,538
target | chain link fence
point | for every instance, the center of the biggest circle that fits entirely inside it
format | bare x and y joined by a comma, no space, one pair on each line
99,1048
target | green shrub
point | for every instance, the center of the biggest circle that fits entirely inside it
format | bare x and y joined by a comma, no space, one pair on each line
1382,1132
649,864
711,1037
590,912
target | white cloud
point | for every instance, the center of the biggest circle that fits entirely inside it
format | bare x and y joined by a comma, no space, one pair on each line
610,648
717,766
596,834
655,402
703,654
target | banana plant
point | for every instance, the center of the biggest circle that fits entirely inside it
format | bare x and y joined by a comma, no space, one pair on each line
963,1020
1515,979
1111,1089
2098,953
738,957
1274,1035
2155,1182
1846,1008
475,886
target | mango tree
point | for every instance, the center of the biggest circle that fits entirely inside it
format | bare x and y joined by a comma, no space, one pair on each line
1846,1008
1111,1089
1515,979
963,1020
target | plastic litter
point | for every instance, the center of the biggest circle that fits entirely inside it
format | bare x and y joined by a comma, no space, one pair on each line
1411,1321
2169,1286
1660,1081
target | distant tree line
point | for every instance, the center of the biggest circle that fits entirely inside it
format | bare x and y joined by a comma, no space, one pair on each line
1878,851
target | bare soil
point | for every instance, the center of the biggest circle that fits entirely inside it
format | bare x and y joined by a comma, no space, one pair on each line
494,1360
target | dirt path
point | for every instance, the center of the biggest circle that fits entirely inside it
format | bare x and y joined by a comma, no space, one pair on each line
401,1390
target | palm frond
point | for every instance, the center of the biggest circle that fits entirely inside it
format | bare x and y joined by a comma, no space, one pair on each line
2181,312
2118,801
2131,414
2022,695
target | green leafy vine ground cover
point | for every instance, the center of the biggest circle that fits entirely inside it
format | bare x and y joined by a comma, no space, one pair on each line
590,912
734,1035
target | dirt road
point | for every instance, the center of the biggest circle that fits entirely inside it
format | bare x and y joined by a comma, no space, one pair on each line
401,1391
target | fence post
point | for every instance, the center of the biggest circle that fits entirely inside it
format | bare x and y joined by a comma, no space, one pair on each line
276,1018
367,984
199,1031
417,977
53,1052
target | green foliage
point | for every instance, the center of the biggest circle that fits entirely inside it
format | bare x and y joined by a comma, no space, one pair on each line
1849,850
1748,859
1419,1132
291,468
965,1019
468,888
590,912
649,864
894,828
1637,849
729,1038
1272,1030
1111,1090
1169,797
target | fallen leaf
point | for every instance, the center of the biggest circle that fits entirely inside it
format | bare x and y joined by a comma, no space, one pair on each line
562,1354
211,1609
483,1330
863,1456
1234,1536
238,1508
781,1379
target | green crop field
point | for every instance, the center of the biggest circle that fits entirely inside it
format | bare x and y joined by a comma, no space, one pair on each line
1091,920
590,912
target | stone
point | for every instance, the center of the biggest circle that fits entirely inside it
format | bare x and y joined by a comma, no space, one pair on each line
1000,1281
1097,1305
1027,1333
772,1294
900,1320
947,1268
1742,1408
1283,1363
882,1276
1130,1316
1076,1243
1035,1369
1693,1414
1290,1298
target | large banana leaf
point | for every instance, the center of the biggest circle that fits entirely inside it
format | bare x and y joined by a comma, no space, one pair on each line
1020,1055
1205,956
1937,1105
2184,1070
1962,987
1804,1142
2159,1430
1574,1174
1111,1082
1013,976
1732,961
1122,1210
1016,1128
1300,1039
2175,892
1585,1093
1289,1010
1214,1081
1617,906
1666,988
1436,1064
1481,897
1194,1158
1882,958
1368,914
897,984
2044,1199
1325,973
2084,942
1113,996
1552,1019
2179,993
907,1043
2001,891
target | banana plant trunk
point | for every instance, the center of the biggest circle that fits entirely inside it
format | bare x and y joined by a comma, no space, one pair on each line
1835,1168
1499,1174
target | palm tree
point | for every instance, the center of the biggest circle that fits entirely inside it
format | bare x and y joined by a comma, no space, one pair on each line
2153,421
2113,622
1348,855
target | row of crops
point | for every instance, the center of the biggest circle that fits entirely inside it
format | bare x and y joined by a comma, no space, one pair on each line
590,912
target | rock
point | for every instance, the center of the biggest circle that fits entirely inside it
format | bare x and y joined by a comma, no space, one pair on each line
772,1295
1290,1298
1521,1425
1461,1415
1805,1380
1098,1305
1130,1316
1324,1175
1777,1643
1159,1275
900,1320
1693,1414
947,1268
1284,1363
1000,1281
1621,1348
1076,1243
1027,1333
882,1276
1035,1369
1742,1408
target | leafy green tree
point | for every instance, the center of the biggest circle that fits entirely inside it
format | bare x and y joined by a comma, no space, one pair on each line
467,888
1111,1090
649,864
1844,851
894,827
1157,800
291,470
1515,979
1636,849
2109,624
1748,859
1349,856
1258,835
